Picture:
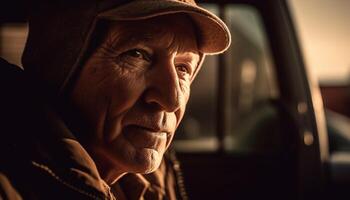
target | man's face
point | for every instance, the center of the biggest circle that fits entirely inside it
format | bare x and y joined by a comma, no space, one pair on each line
133,91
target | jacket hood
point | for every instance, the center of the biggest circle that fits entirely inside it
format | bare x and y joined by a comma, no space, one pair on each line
59,35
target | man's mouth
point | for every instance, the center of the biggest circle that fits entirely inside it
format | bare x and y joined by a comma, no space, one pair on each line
145,137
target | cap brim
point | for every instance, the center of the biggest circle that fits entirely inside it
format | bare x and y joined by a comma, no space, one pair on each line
214,35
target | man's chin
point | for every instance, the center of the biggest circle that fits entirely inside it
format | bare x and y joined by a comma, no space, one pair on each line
147,161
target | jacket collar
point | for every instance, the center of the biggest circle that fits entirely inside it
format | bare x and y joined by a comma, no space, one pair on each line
57,152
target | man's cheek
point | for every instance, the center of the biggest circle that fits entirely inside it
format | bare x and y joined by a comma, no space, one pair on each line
124,95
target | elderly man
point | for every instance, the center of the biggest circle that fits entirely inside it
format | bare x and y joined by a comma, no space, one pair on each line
104,88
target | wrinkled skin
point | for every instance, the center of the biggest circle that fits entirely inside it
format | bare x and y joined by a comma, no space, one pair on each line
133,91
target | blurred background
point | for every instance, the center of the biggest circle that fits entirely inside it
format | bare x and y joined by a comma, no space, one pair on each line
323,27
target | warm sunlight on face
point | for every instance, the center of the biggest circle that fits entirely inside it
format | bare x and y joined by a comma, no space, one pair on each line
134,90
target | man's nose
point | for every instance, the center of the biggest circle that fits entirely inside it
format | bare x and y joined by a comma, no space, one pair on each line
163,87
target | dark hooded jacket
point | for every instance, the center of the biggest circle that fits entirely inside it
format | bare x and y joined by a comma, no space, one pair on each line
40,158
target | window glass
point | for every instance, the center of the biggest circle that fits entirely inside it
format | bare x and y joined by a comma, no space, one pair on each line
253,83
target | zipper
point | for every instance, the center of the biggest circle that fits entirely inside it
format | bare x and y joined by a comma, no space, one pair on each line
175,164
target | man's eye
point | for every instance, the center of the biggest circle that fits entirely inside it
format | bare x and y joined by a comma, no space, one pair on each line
183,68
138,54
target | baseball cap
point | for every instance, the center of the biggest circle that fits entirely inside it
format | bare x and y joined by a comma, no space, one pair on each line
214,36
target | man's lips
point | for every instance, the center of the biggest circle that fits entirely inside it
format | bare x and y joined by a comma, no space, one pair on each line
148,128
144,137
